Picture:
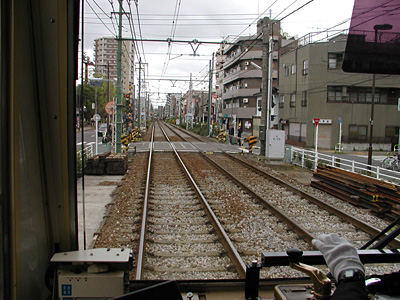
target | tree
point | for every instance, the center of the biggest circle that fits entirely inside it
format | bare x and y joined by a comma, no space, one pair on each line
89,99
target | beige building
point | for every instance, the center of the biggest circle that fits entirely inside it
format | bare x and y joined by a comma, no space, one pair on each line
239,77
105,52
313,85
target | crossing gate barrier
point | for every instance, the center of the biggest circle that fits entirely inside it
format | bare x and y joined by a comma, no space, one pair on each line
221,135
136,135
252,140
125,140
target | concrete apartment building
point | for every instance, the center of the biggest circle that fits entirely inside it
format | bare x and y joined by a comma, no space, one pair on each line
313,85
105,58
241,81
239,69
220,59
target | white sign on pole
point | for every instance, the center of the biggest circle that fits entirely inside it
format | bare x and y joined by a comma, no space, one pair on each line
316,121
96,117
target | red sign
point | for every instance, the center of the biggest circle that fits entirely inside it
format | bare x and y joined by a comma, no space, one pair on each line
110,108
316,121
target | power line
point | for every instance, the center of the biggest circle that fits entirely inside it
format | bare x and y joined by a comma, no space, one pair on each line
140,29
99,17
172,35
296,10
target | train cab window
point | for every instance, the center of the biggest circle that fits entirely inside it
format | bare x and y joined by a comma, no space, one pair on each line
373,43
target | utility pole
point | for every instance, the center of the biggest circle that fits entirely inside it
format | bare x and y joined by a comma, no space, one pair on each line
264,95
119,93
189,118
210,94
140,83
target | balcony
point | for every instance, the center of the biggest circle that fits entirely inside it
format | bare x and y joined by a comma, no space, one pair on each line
242,74
247,56
245,92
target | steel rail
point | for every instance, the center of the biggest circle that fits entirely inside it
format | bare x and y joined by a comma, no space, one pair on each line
229,247
143,230
186,132
302,232
174,131
341,214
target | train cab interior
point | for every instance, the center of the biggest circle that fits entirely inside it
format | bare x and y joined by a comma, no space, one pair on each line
38,188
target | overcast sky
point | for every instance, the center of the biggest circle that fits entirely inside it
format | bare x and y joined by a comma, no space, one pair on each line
206,21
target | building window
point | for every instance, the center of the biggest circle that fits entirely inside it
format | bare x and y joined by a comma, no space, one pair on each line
281,100
391,134
304,98
292,100
305,67
334,93
335,60
358,133
293,69
287,70
382,95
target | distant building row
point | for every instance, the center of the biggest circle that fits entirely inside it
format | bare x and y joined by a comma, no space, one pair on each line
307,82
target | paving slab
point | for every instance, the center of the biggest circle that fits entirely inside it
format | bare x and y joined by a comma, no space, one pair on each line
93,198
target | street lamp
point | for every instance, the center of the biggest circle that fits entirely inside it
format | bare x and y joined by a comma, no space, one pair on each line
376,28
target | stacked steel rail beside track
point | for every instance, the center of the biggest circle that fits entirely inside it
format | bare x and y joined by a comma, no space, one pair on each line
377,195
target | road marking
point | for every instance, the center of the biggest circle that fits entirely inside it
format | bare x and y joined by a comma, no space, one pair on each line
374,157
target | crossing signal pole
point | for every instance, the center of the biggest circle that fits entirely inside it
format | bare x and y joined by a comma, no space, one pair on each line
119,95
210,95
139,95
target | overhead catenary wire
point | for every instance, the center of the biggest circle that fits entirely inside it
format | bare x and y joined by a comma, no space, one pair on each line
112,32
144,15
172,35
140,29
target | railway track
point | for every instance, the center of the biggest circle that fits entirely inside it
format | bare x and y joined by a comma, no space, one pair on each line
177,241
180,241
308,211
210,227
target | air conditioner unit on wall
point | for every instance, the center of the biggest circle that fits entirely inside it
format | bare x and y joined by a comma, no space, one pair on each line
245,100
245,85
246,63
344,90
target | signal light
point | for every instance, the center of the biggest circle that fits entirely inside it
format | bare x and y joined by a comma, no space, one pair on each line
128,96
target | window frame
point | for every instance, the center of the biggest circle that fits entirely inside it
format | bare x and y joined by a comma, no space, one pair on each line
293,100
304,97
355,136
335,58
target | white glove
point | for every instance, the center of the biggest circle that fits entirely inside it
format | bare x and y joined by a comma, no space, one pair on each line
338,253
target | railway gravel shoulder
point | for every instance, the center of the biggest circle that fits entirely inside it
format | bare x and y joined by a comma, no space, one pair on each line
250,227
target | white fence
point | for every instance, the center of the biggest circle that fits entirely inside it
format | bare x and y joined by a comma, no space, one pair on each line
88,152
307,159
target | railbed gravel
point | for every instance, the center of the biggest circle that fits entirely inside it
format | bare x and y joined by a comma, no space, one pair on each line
357,238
